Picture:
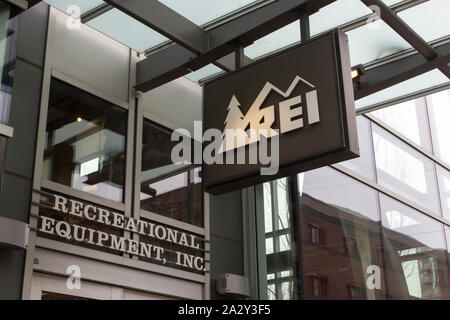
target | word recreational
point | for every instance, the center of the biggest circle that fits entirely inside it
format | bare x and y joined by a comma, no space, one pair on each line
118,243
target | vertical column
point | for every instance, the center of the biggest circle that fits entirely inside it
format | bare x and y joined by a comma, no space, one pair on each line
15,198
296,219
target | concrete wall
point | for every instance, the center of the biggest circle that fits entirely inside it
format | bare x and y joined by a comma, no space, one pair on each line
17,181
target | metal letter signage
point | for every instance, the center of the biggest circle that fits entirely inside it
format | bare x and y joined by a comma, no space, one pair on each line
300,99
88,225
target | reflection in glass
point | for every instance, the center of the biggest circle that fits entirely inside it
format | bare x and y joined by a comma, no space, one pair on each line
408,119
171,190
278,246
364,164
404,170
347,230
346,216
439,110
416,249
444,189
85,142
8,44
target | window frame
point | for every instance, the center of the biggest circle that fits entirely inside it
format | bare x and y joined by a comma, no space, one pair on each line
323,286
67,190
356,245
142,116
353,286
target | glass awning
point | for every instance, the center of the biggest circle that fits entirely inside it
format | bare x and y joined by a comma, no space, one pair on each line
369,40
202,12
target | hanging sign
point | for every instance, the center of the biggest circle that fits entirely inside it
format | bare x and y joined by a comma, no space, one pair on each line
288,113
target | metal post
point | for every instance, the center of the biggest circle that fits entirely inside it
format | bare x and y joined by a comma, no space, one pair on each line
296,219
239,57
305,32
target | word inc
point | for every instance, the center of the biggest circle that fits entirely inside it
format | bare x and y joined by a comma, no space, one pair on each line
118,243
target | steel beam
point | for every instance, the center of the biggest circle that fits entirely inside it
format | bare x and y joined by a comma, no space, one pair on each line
172,62
403,29
400,70
408,34
228,63
94,13
166,21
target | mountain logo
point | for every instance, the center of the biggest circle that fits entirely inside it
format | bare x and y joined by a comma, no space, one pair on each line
259,120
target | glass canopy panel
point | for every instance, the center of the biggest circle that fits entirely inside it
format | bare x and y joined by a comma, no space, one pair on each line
425,81
204,11
84,5
204,73
279,39
429,19
127,30
392,2
337,14
374,41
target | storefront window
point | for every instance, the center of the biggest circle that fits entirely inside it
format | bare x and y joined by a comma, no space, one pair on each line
347,216
167,189
364,164
85,142
404,170
278,241
354,244
416,249
8,44
409,119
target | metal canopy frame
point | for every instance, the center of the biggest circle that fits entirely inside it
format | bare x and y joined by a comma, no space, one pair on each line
166,21
400,70
176,60
193,47
435,59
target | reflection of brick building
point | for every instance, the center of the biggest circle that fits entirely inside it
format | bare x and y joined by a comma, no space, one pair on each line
338,246
176,205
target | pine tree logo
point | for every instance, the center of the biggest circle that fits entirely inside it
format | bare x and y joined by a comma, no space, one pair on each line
262,120
235,117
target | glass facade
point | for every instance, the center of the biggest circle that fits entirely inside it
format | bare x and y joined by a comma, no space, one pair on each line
8,44
85,142
85,149
168,189
373,228
369,228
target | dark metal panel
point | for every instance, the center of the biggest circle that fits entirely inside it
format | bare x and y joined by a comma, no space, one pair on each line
256,87
166,21
258,23
228,62
222,41
392,73
15,197
147,71
33,34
